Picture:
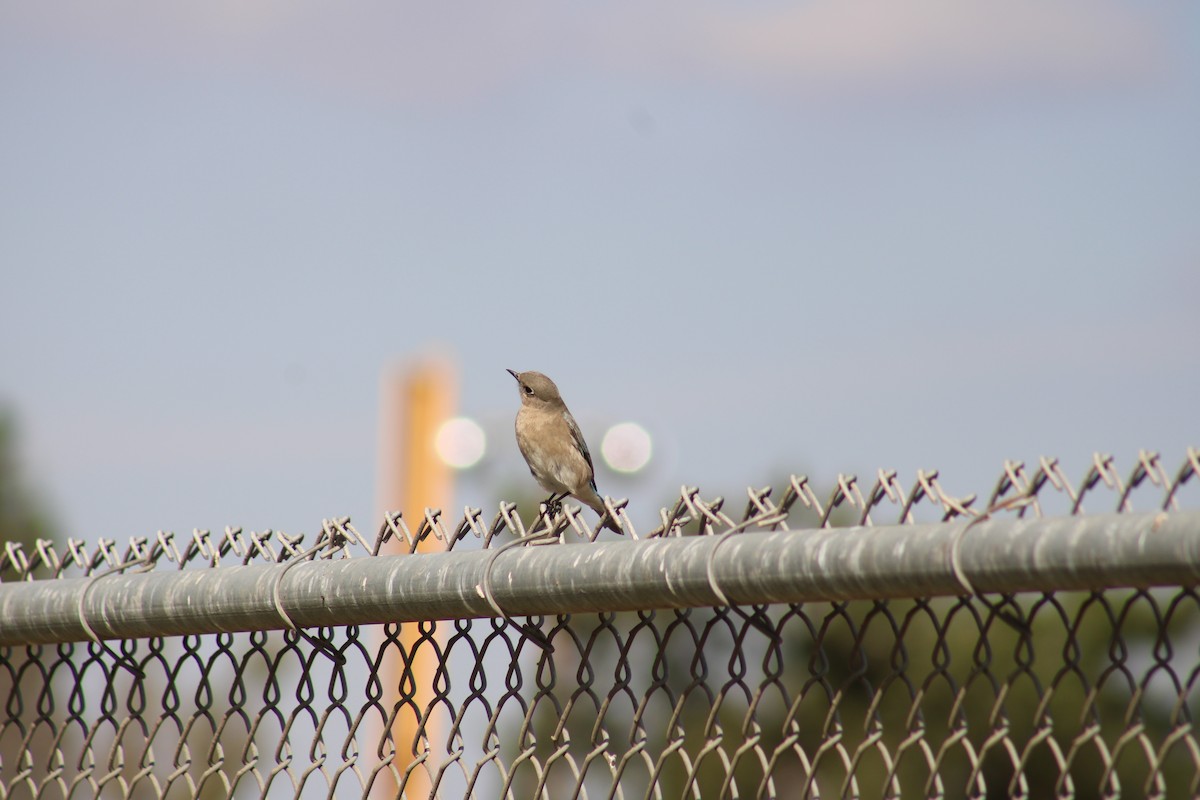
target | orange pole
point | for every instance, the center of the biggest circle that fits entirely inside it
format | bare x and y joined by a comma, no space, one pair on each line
417,399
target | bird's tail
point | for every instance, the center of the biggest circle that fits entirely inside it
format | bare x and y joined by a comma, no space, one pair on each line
594,501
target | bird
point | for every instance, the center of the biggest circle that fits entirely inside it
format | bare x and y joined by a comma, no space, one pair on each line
553,445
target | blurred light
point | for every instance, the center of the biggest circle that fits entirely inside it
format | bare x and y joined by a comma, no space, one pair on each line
460,442
626,447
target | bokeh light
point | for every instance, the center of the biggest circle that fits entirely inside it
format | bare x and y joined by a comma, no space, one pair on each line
626,447
460,442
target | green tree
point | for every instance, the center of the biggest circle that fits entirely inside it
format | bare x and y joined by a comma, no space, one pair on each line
23,515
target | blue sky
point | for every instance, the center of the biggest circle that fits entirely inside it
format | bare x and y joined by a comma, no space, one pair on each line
823,236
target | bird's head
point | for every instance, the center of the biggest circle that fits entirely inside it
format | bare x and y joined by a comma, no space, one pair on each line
537,390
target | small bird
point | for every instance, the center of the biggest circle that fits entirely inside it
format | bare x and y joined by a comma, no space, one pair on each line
553,446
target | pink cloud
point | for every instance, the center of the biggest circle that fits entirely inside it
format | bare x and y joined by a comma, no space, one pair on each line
435,52
854,45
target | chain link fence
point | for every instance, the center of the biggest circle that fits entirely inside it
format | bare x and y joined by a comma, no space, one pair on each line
886,641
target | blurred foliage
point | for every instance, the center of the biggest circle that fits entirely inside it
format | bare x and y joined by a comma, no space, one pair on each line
23,516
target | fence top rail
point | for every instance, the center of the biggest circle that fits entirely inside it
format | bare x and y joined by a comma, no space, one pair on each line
984,555
1031,532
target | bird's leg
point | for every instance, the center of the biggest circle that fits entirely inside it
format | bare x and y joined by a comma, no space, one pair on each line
554,504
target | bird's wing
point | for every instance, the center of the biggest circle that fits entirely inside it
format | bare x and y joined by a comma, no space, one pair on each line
577,435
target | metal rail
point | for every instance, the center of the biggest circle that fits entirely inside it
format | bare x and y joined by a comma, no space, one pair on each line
993,555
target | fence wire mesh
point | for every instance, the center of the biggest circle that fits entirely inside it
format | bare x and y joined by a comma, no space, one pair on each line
1052,694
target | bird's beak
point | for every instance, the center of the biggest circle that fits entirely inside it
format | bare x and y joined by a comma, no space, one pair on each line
510,372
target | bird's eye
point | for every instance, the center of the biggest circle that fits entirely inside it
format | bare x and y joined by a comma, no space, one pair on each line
528,389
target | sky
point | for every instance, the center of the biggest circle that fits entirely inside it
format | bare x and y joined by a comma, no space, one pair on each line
816,237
